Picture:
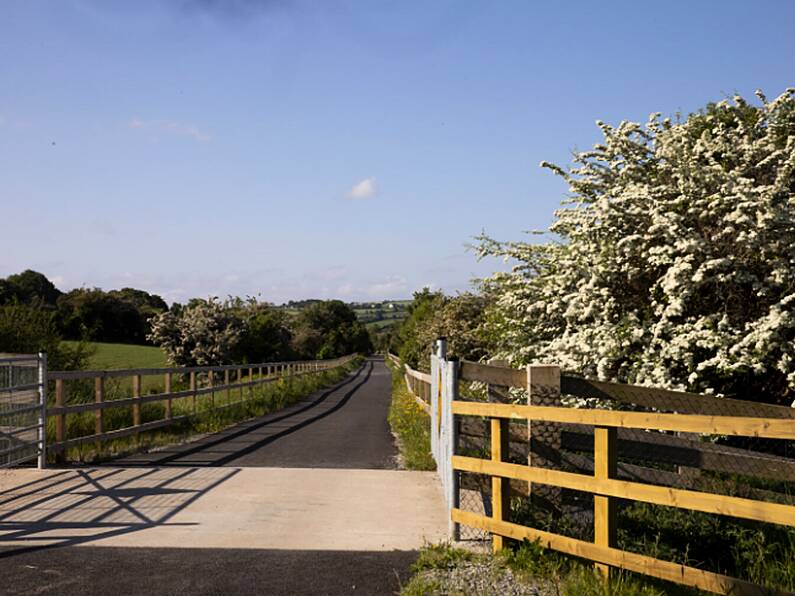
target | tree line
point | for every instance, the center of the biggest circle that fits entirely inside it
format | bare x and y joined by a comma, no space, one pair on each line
35,315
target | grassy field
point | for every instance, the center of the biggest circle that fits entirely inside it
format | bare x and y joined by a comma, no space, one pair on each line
114,356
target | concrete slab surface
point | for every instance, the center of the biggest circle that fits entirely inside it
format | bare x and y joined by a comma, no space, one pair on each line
248,508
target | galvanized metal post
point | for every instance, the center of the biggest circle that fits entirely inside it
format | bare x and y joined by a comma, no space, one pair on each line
43,411
441,347
451,394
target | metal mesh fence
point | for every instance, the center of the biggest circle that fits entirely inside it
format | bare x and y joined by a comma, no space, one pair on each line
20,409
752,468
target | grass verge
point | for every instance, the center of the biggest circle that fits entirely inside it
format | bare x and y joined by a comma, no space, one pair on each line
410,424
526,569
212,413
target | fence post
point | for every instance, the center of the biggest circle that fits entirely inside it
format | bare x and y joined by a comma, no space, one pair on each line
228,389
604,508
60,419
99,418
451,432
167,388
193,388
436,390
543,389
250,381
136,409
211,384
42,463
500,445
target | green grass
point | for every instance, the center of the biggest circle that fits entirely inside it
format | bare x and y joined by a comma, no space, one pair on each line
382,324
440,556
411,425
115,356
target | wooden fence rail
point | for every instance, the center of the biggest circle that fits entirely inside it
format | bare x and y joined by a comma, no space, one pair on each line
418,383
248,377
713,416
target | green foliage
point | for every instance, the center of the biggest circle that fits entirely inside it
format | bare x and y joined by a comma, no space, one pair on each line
411,341
433,315
583,580
419,585
758,552
411,425
329,329
673,261
29,287
440,556
533,560
266,335
100,316
28,330
91,314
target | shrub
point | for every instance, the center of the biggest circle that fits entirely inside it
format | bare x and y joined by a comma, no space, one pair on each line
28,330
674,262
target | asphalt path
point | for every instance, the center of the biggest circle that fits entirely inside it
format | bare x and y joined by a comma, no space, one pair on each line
94,571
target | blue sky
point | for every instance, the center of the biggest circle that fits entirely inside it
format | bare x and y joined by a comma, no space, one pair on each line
293,149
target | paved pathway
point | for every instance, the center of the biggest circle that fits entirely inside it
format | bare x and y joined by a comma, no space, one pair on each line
299,502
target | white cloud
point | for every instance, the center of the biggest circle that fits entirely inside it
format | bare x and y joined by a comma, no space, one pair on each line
171,127
366,189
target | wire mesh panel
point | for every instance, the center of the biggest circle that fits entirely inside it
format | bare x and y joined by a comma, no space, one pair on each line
21,409
761,470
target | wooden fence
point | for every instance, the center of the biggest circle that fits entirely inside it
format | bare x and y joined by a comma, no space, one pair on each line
418,383
201,381
705,415
664,444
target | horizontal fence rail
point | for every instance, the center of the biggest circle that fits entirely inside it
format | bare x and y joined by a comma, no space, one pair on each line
670,434
418,383
200,381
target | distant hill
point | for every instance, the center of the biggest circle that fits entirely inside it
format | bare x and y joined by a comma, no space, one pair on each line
376,314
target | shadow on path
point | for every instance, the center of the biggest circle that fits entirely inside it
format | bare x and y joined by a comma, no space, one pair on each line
144,572
78,506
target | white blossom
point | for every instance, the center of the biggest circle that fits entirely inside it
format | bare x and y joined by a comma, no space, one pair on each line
674,258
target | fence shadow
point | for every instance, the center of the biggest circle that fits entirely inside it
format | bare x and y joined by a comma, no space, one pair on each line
78,506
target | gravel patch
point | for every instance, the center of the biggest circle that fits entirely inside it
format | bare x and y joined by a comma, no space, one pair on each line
483,578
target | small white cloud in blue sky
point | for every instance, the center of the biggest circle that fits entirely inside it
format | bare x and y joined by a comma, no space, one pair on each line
365,189
171,127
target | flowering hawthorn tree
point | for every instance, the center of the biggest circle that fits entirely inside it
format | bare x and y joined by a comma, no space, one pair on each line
674,262
203,334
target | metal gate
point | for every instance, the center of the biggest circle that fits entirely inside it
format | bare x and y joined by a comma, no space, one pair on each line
23,398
